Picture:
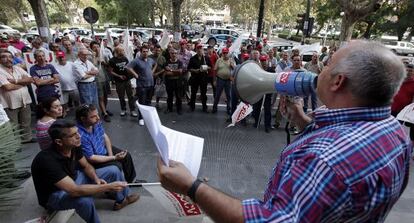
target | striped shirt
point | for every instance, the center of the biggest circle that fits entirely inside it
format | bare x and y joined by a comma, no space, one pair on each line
93,143
42,134
349,165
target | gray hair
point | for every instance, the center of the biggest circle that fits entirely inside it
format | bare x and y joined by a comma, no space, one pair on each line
375,73
37,52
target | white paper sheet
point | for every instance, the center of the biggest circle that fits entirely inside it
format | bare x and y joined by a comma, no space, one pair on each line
172,144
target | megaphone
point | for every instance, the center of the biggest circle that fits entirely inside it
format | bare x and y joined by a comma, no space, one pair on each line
252,82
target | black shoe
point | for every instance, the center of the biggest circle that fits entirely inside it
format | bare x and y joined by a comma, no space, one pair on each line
167,111
205,110
106,118
179,112
267,130
228,120
109,113
214,111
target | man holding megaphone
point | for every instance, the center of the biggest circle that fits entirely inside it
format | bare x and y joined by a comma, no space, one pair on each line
351,162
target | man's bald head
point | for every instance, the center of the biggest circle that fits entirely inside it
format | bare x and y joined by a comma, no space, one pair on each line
374,72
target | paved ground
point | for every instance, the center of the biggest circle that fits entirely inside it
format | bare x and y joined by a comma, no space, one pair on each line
236,160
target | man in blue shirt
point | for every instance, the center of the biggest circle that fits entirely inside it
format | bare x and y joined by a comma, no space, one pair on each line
143,69
45,77
96,145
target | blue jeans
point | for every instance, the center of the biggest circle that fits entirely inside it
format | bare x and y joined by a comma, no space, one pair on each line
85,206
222,85
88,93
144,95
314,101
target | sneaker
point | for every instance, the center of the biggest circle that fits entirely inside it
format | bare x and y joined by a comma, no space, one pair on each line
106,118
123,113
128,200
134,114
141,122
109,113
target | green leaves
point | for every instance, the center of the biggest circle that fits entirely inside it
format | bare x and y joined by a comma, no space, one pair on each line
10,143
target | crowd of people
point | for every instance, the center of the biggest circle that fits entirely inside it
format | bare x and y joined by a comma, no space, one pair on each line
81,79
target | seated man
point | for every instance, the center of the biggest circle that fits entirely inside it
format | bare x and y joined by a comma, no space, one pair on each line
97,146
351,163
64,179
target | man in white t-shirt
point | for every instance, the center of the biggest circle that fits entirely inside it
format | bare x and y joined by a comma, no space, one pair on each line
14,95
67,80
85,73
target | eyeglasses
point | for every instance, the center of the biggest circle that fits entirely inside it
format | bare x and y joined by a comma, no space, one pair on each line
85,106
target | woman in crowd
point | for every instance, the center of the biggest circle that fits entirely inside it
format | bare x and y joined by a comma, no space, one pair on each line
48,111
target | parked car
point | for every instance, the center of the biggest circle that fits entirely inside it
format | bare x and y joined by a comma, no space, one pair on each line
83,33
145,35
187,32
8,30
216,31
115,32
400,47
220,38
34,30
69,29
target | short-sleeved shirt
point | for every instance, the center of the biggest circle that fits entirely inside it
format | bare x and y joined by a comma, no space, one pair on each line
66,76
49,167
184,57
118,64
44,73
15,98
173,66
404,96
93,143
315,68
144,70
80,69
350,165
42,135
196,62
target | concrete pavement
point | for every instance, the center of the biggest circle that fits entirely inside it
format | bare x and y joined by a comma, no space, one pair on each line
236,160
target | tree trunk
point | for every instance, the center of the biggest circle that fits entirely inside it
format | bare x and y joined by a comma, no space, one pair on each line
161,20
21,18
176,10
42,22
367,33
347,26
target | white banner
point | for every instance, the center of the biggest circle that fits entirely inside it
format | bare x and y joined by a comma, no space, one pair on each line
241,112
3,115
177,204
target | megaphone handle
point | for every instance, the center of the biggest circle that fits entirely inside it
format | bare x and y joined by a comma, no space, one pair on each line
287,133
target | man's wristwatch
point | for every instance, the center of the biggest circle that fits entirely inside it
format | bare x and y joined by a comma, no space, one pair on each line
193,189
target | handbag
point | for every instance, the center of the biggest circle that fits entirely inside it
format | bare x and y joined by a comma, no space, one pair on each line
159,89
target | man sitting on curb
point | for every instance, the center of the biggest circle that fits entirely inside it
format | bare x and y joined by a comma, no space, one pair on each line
64,179
97,146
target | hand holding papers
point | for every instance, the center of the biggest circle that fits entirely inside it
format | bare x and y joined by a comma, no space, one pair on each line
171,144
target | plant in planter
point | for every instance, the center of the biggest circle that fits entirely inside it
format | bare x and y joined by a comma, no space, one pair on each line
10,143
